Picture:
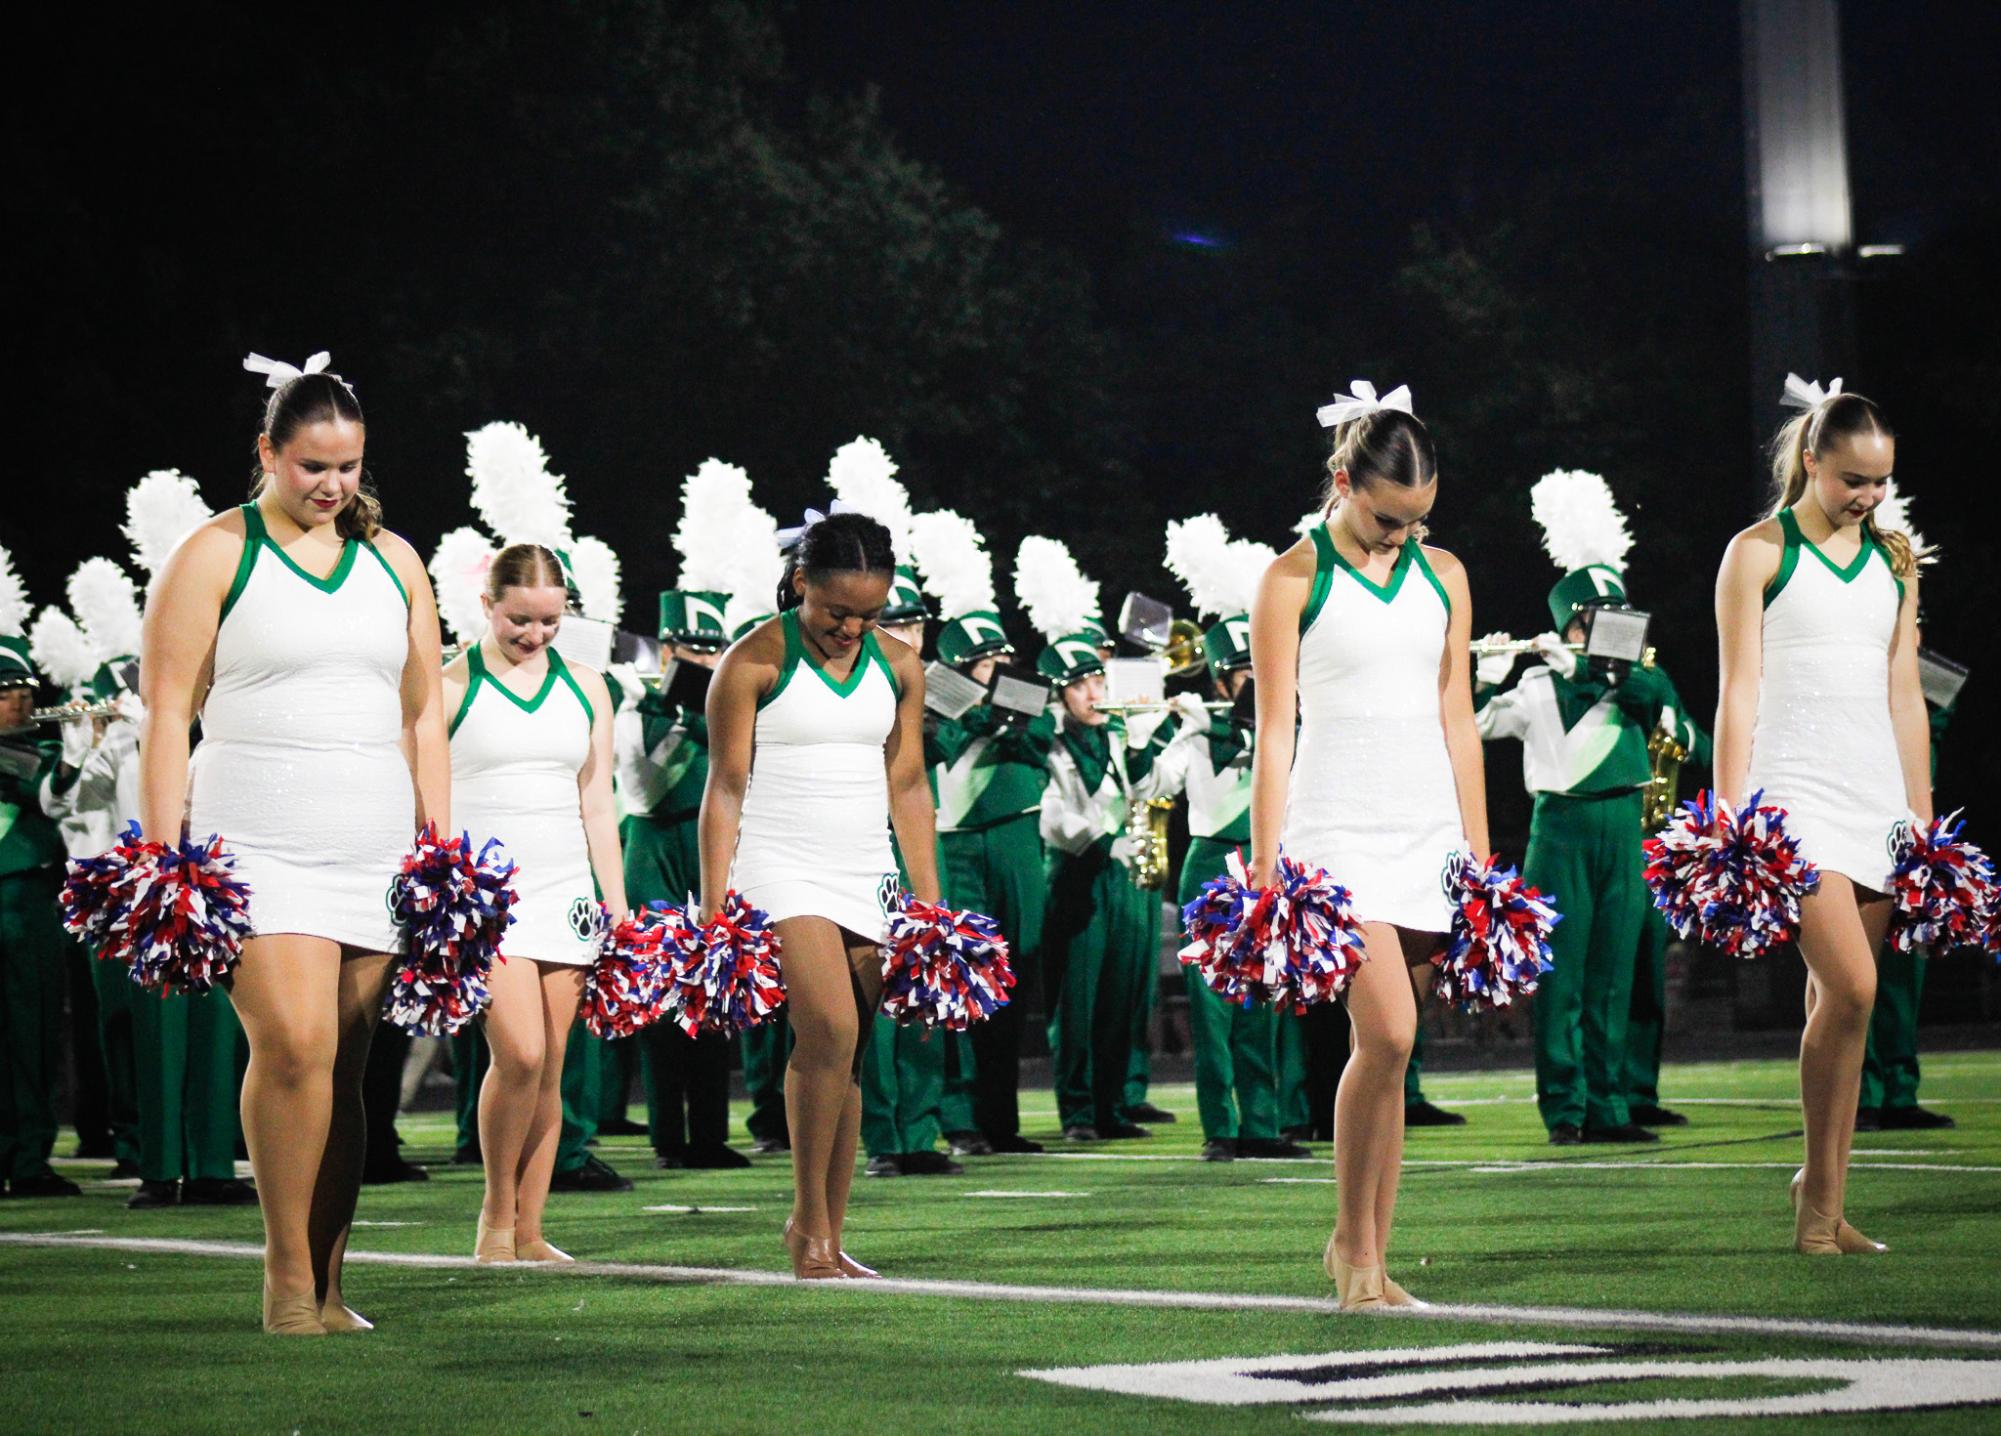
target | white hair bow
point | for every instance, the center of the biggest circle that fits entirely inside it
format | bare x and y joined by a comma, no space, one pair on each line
1805,394
787,538
277,373
1361,399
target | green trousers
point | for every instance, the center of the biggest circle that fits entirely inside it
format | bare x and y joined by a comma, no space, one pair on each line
33,950
582,1085
1584,853
1098,941
687,1079
1646,1019
1139,1064
903,1086
1236,1046
118,998
998,871
469,1061
767,1047
1413,1091
1890,1059
189,1090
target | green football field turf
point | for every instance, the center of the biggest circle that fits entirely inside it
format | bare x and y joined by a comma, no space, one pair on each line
1117,1255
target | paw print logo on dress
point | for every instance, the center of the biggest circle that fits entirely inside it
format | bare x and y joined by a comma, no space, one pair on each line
584,919
888,892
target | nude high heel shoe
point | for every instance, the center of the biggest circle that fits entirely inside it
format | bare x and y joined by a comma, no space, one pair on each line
337,1317
492,1244
541,1249
1817,1234
813,1258
1356,1288
292,1315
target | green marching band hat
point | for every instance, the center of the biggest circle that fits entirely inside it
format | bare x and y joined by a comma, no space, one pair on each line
1073,656
906,599
1586,535
1221,575
16,669
1227,645
749,623
973,636
693,618
109,681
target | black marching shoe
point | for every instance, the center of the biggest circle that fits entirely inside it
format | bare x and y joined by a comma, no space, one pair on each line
929,1164
1223,1149
1565,1134
593,1176
969,1144
1914,1119
1015,1143
1147,1112
770,1146
715,1157
1121,1131
394,1170
1267,1148
883,1166
1868,1119
670,1161
1298,1134
1646,1114
219,1192
621,1127
46,1184
1082,1132
1424,1114
154,1194
467,1156
1628,1132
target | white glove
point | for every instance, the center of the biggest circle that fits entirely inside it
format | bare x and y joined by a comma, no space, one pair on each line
1191,709
1556,653
1492,670
1125,849
79,737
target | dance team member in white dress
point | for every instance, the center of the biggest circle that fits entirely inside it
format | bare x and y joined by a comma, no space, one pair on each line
304,637
816,747
1361,631
1820,706
532,765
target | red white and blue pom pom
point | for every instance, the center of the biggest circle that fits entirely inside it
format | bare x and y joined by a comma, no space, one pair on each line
727,980
176,916
1943,887
942,967
1293,944
453,908
1499,946
1732,879
626,990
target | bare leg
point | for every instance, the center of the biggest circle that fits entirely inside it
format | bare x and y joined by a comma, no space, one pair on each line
562,989
363,978
865,961
821,1100
1368,1105
516,1036
1839,938
286,993
1417,950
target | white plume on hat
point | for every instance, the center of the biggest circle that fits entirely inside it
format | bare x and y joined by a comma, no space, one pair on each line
594,568
1051,589
1221,574
512,488
458,576
1581,525
950,555
60,649
863,474
106,604
161,509
13,598
727,543
1894,515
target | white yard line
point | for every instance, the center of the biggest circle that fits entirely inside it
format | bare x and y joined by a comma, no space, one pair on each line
1488,1166
1856,1332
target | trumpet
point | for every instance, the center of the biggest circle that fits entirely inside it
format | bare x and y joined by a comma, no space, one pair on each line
74,709
1156,705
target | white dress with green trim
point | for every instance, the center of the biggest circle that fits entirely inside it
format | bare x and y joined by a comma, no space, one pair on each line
1372,798
814,838
300,767
514,777
1824,748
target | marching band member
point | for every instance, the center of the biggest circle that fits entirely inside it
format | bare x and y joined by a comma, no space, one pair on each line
1359,634
1584,729
1821,709
305,637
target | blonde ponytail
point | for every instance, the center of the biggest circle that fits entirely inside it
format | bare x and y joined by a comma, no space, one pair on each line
1837,417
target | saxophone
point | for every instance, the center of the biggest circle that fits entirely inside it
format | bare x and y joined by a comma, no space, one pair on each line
1665,753
1146,820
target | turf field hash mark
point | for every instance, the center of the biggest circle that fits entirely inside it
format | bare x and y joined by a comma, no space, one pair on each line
1028,1194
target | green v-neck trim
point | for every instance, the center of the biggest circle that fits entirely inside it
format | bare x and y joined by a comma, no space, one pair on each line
482,676
1384,592
343,566
1855,565
870,655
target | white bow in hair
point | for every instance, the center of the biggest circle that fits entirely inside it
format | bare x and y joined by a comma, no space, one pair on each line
788,537
277,373
1361,399
1805,394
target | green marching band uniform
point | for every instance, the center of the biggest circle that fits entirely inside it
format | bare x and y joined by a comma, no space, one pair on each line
1584,757
1101,929
33,951
989,771
662,757
1250,1061
184,1052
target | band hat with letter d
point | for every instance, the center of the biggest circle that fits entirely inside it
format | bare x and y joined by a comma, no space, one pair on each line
906,600
1586,535
693,618
17,670
973,636
1221,575
1071,657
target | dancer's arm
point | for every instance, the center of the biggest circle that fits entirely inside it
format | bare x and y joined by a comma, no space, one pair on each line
425,745
911,813
176,654
748,671
1455,703
1275,619
600,809
1907,707
1749,565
